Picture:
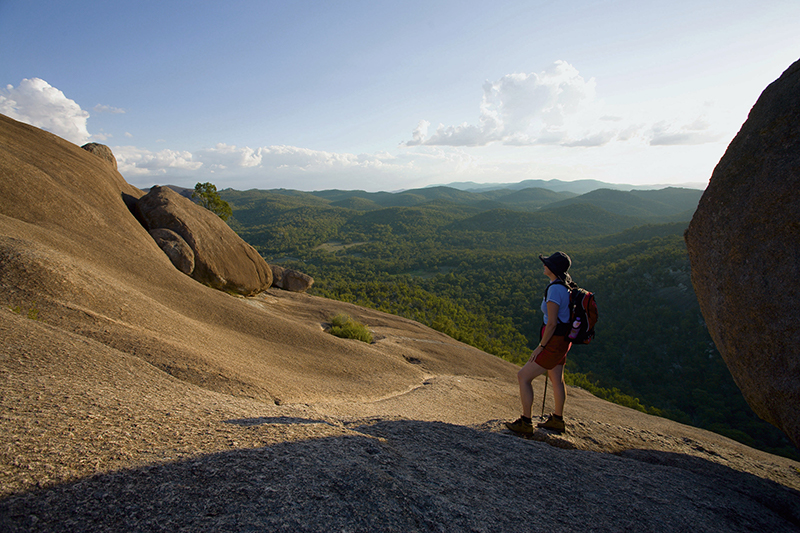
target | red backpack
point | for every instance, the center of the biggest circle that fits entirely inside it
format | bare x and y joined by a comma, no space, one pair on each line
582,316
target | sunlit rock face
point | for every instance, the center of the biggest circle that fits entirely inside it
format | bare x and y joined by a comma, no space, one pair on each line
221,258
744,247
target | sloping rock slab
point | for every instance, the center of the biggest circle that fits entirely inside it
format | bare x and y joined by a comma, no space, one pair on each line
744,247
222,259
400,475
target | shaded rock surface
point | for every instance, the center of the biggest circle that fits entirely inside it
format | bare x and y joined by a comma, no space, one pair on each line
221,258
744,247
102,151
142,400
290,280
177,249
401,475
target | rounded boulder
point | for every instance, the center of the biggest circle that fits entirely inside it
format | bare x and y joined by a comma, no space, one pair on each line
222,259
744,248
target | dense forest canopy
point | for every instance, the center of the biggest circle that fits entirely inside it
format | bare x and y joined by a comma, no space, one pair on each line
466,263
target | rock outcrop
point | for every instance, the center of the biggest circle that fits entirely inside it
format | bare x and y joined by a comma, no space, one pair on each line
744,247
290,280
221,258
177,249
102,151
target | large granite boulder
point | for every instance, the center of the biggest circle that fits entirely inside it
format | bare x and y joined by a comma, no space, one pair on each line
221,258
102,151
177,249
744,247
290,280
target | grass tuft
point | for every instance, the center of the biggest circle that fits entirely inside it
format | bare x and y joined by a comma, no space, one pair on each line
345,327
32,313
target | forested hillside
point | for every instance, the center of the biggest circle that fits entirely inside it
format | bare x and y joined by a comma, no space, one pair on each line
466,263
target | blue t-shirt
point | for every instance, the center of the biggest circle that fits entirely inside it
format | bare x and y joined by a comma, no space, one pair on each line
558,293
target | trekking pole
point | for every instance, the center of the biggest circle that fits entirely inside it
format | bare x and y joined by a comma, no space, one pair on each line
544,397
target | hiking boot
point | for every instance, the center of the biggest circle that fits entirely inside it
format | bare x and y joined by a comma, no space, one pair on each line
554,424
520,426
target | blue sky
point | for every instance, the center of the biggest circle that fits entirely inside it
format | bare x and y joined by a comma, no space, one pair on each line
395,95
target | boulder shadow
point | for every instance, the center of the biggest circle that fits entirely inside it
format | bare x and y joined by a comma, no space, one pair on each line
403,475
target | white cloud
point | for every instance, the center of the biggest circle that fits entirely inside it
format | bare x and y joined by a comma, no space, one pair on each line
558,107
528,126
101,108
526,109
139,162
36,102
223,156
101,137
419,133
699,131
595,139
287,158
267,166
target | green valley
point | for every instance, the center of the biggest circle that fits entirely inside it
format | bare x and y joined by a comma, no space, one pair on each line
466,263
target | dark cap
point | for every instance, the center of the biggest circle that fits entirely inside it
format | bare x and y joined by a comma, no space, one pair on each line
558,263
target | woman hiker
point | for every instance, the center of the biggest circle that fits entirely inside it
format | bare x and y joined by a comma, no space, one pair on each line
551,353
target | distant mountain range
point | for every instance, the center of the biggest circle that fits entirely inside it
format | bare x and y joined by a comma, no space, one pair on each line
576,187
600,206
491,190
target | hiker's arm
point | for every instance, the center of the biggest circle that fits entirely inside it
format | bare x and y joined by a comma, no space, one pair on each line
549,329
552,322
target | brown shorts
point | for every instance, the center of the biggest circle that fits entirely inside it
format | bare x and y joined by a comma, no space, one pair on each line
555,353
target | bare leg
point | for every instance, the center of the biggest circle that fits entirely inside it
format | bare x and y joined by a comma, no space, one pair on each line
559,388
525,376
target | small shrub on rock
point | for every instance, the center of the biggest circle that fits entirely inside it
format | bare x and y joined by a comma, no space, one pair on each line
345,327
32,313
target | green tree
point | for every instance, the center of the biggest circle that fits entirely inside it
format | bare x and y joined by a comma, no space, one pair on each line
207,196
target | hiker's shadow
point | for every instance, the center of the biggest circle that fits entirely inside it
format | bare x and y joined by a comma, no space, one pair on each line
406,475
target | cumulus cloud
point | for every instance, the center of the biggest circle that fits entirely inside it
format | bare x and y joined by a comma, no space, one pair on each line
526,109
559,107
419,133
225,161
137,161
223,156
36,102
287,159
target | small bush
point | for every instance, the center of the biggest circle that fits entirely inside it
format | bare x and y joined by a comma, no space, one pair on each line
33,312
345,327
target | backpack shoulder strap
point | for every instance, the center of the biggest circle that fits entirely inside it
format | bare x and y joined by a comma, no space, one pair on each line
556,282
570,305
